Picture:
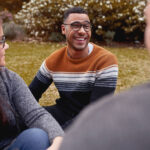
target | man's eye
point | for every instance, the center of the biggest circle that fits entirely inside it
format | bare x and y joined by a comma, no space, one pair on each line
86,26
76,25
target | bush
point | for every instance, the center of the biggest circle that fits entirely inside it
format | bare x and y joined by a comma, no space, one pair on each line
42,17
56,37
11,5
109,36
13,31
6,16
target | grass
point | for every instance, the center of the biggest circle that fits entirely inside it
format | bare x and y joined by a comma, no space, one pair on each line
26,58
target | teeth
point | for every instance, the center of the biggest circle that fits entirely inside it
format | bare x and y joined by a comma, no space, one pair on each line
81,39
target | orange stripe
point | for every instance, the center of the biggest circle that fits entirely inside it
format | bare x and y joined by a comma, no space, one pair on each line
97,60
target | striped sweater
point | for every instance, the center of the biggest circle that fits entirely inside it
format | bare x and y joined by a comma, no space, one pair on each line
79,81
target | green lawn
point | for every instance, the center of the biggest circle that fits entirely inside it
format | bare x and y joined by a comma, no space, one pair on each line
26,58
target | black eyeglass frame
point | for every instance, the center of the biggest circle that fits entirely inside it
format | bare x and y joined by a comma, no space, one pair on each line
80,25
3,40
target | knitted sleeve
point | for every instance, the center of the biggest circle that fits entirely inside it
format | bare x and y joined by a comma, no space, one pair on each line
41,82
106,78
30,111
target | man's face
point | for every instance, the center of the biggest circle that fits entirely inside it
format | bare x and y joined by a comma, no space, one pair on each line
77,30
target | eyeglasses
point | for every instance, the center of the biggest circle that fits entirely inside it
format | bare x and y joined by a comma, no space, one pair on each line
2,41
76,26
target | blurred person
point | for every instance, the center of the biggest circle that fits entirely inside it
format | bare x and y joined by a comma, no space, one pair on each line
118,122
81,71
24,124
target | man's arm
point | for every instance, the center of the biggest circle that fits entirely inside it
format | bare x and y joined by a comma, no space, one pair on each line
41,82
99,92
37,88
106,79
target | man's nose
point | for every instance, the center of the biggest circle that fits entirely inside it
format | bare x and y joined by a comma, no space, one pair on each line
81,30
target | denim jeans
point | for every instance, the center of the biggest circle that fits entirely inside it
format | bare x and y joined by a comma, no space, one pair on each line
31,139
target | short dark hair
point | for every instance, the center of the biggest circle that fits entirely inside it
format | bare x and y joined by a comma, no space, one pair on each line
72,10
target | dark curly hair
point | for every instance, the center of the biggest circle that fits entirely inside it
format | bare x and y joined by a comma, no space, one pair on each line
72,10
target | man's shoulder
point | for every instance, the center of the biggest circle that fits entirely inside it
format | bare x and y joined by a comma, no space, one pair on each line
58,52
56,57
101,50
103,55
136,93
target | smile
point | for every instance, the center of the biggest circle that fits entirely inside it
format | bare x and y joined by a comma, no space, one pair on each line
81,39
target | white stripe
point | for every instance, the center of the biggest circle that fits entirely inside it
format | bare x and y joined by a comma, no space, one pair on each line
79,77
110,69
44,70
74,80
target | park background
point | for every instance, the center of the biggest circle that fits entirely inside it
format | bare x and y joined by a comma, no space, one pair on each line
32,29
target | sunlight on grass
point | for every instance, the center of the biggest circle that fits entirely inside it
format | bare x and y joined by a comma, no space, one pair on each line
133,67
26,58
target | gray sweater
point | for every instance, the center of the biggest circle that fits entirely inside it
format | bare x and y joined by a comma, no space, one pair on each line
119,122
29,113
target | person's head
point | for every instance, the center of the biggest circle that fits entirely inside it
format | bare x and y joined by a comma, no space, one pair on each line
3,46
77,28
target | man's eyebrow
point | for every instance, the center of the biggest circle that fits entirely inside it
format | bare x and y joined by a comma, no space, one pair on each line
80,22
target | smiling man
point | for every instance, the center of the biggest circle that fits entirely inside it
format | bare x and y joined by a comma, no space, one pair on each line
77,29
81,71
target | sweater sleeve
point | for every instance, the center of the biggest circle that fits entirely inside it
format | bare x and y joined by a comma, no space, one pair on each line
106,79
41,82
30,111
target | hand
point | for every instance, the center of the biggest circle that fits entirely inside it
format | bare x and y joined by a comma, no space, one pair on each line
56,143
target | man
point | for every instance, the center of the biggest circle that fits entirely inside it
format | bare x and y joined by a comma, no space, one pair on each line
82,71
120,122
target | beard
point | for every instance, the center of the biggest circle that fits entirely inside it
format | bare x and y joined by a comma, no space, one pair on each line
77,47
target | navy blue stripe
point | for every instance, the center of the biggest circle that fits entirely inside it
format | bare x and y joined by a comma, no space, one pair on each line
43,78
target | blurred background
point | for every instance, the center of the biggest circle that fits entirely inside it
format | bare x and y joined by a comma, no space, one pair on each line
113,21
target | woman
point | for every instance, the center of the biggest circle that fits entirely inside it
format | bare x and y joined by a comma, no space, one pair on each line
24,125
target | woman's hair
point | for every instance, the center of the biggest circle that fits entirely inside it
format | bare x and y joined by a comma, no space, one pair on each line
5,124
4,120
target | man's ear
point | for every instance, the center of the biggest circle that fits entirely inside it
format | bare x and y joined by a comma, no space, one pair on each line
63,29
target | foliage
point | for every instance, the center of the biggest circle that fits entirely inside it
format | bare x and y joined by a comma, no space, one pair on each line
11,5
56,37
124,17
109,36
6,16
13,31
41,18
26,58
